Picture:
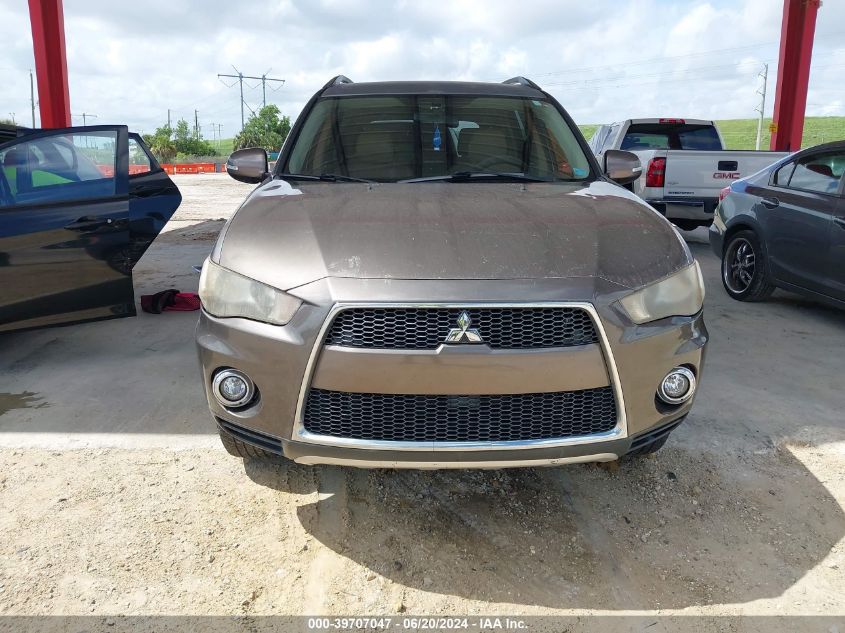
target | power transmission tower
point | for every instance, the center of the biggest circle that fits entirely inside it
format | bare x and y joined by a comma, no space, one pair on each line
765,75
240,77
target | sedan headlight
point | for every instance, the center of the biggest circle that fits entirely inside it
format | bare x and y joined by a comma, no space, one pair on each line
682,294
227,294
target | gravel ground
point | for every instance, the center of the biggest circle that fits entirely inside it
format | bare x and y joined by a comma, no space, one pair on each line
741,513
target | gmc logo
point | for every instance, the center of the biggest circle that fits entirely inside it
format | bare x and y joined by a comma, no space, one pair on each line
726,175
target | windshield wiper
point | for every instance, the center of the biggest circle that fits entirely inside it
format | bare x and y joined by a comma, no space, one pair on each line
463,176
325,178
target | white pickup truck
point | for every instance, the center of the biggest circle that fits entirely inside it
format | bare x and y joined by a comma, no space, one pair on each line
685,164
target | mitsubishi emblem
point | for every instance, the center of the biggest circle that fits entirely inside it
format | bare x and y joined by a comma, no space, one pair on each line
463,333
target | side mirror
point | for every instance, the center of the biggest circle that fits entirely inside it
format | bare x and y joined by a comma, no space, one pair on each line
248,165
622,167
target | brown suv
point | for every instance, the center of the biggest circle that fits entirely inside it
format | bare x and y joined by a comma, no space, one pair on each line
440,275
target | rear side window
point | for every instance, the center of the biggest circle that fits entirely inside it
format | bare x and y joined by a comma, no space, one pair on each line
139,161
671,136
781,176
818,173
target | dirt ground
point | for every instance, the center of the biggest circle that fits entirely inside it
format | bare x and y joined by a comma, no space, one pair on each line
117,498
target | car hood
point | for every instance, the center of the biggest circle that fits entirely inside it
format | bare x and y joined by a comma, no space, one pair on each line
286,237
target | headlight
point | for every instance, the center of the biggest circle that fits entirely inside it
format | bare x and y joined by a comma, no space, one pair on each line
682,294
227,294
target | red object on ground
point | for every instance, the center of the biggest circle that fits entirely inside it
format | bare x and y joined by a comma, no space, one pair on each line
170,301
48,42
796,51
184,302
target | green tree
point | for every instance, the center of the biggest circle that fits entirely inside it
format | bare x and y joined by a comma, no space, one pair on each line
7,122
189,143
267,128
161,143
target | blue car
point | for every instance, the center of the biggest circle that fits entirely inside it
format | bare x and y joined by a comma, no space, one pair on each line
78,207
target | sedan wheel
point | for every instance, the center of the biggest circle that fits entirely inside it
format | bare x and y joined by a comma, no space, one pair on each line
744,271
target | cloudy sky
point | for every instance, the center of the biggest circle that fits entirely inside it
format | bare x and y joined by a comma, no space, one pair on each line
604,60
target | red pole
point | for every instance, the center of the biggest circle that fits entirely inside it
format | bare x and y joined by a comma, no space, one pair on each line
48,41
796,51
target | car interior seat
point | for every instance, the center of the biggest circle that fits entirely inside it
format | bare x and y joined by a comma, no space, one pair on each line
383,153
17,170
486,149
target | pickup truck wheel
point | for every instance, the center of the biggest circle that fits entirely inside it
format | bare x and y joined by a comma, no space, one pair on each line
237,448
745,273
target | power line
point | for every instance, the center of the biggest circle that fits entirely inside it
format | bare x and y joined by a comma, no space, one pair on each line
240,77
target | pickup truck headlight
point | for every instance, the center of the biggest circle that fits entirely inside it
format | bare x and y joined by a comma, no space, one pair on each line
227,294
682,294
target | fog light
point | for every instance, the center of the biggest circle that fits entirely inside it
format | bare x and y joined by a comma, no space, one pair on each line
677,387
232,388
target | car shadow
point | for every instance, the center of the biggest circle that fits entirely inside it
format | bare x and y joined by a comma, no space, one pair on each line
675,531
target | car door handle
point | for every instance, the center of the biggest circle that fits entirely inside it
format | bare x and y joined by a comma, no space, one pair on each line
770,203
840,222
87,223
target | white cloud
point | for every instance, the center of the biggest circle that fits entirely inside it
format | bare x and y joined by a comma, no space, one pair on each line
604,60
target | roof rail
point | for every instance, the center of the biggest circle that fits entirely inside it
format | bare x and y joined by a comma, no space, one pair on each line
336,81
522,81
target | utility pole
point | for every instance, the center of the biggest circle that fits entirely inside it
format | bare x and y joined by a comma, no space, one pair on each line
168,118
85,116
263,79
765,75
32,96
216,131
196,125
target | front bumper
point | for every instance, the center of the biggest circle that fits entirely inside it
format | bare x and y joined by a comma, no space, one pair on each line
306,453
285,362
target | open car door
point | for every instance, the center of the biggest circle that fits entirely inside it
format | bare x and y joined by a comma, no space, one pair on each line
65,227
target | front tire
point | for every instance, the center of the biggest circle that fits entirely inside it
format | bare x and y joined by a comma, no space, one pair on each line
745,271
237,448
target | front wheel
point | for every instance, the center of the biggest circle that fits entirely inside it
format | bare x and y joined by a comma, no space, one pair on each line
237,448
745,274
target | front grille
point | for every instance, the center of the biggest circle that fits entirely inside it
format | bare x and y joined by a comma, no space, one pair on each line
489,418
427,328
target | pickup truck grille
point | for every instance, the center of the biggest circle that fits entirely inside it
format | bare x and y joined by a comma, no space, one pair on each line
427,328
442,418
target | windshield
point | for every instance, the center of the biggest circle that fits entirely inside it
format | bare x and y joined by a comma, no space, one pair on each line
395,138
